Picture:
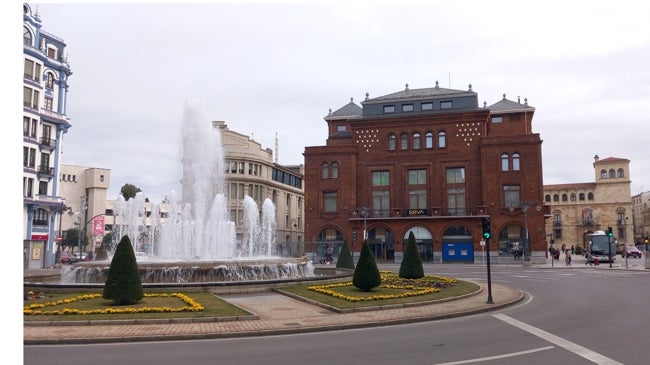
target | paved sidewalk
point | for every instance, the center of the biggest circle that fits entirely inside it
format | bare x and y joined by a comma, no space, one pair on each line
274,314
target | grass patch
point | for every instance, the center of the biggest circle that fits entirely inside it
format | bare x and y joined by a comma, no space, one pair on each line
457,289
214,307
392,287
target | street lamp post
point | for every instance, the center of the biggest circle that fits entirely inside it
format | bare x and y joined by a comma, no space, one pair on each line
524,208
61,209
84,209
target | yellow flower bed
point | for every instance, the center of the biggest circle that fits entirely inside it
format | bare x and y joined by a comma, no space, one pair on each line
415,287
36,309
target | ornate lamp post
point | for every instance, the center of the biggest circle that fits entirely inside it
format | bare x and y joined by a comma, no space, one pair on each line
60,210
524,208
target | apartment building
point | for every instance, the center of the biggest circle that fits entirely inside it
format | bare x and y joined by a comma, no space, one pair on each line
45,88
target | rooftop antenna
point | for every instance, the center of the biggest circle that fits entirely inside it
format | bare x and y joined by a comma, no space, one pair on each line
276,147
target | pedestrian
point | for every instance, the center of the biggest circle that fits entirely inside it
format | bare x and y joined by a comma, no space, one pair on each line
567,258
573,250
590,259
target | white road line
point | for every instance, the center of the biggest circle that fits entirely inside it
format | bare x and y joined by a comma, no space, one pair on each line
592,356
488,358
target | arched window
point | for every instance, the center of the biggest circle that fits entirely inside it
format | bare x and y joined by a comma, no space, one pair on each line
404,141
391,142
612,173
325,170
620,173
590,196
49,82
556,198
547,198
27,37
335,170
581,196
505,162
416,141
573,197
564,197
428,140
603,174
442,140
515,162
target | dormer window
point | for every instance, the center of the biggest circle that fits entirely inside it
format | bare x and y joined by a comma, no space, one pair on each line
427,106
446,104
497,119
407,107
389,109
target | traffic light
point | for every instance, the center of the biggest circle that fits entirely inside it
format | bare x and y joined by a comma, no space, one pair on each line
354,236
486,228
609,232
645,240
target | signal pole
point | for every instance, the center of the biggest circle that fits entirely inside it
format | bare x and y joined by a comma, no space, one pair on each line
486,236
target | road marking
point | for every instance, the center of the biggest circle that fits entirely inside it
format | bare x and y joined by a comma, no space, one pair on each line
488,358
592,356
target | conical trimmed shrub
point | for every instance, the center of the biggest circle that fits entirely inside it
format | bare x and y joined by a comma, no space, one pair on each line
411,266
366,274
123,284
345,260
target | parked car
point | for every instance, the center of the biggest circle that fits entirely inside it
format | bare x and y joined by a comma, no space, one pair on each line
632,251
84,256
66,259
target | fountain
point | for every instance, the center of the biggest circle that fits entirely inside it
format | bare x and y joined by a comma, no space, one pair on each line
196,242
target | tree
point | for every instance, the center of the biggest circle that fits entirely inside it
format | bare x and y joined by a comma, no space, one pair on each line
366,274
411,266
71,239
345,260
123,284
128,191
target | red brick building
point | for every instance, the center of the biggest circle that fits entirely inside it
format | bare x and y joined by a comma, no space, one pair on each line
433,162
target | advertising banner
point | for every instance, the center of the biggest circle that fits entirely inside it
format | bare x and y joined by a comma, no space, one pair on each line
98,226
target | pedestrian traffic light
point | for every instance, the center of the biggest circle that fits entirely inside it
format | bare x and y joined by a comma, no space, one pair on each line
354,236
486,228
609,232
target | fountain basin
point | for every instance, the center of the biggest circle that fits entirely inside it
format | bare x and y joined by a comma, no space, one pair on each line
322,275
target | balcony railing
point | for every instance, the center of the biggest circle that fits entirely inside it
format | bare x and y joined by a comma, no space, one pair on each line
47,142
417,212
45,170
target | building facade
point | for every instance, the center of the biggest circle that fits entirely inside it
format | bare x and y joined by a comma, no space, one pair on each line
84,191
433,162
249,170
45,88
641,218
580,208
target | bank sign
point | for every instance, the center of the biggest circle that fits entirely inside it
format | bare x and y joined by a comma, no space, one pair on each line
416,212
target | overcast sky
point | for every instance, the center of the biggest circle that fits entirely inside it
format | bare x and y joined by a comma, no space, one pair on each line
272,69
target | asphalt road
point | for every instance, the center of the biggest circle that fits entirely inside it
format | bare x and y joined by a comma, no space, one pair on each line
575,315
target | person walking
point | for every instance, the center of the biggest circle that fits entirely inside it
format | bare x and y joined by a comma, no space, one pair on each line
590,259
567,257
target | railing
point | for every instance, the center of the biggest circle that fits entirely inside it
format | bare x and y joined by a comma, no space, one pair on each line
45,170
414,213
48,142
